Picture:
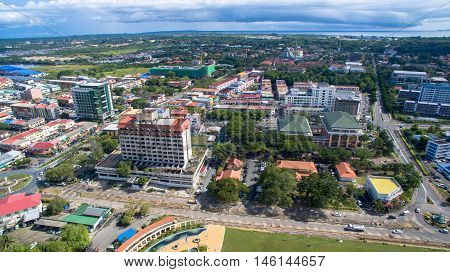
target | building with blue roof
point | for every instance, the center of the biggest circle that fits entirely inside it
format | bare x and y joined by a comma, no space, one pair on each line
126,235
8,70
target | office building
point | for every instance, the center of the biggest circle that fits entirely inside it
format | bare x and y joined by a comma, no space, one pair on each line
408,77
437,149
433,99
435,93
348,101
92,101
312,95
179,71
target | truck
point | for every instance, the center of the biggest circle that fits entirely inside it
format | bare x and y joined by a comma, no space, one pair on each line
354,227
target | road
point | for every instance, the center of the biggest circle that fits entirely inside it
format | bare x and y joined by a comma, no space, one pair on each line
425,190
287,225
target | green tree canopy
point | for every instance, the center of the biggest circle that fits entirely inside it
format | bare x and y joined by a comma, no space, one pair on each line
227,190
278,186
76,237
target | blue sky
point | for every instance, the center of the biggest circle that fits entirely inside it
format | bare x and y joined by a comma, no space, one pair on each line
76,17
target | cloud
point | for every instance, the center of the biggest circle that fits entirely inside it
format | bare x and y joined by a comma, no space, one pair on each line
331,14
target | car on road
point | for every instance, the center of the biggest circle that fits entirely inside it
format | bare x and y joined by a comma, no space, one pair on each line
61,184
39,178
397,231
404,213
392,217
443,231
417,210
354,227
336,214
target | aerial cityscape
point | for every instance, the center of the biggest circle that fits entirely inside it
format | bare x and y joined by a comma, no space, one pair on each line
222,141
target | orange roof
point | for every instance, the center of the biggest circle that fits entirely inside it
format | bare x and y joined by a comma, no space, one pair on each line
227,174
345,170
144,231
234,163
302,168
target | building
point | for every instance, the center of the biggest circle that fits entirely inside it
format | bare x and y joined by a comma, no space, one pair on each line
30,111
294,124
223,84
444,169
281,89
383,188
435,93
312,95
408,77
5,83
148,139
92,101
179,71
345,172
112,130
301,168
9,158
340,130
31,94
19,208
232,169
88,216
348,101
437,149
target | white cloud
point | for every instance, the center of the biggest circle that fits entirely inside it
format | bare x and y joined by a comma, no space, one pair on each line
358,15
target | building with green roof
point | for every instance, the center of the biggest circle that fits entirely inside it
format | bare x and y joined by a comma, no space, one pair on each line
88,215
340,129
294,124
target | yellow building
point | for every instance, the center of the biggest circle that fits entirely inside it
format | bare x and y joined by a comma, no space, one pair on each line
383,188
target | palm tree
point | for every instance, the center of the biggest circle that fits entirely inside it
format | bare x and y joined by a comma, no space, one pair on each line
6,243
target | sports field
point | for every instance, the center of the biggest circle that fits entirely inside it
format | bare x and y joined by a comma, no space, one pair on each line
248,241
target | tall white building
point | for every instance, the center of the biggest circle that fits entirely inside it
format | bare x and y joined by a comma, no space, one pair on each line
152,139
312,95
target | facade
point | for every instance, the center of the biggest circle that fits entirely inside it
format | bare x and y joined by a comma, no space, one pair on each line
348,101
148,139
340,130
294,124
31,94
92,101
438,149
191,72
383,188
408,77
312,95
19,208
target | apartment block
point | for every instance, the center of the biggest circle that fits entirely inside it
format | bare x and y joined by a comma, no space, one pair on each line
92,101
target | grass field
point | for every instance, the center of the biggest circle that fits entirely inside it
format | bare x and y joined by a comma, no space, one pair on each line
254,241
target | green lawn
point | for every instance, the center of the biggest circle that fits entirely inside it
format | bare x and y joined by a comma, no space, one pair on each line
253,241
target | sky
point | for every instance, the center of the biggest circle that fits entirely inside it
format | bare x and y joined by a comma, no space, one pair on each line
23,18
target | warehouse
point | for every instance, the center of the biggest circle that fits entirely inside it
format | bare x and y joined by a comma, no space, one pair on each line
383,188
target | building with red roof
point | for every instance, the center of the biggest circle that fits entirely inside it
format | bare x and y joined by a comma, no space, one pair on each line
345,172
42,148
19,208
301,168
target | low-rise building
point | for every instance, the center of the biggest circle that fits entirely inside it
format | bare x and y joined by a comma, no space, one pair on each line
438,149
301,168
383,188
88,216
19,208
9,158
294,125
444,169
345,172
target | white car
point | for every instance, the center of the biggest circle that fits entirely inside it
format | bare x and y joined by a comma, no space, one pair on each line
39,178
417,210
397,231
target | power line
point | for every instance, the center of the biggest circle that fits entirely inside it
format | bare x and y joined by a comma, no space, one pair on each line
420,18
33,19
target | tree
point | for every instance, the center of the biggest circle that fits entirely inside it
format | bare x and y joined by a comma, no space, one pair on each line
227,190
61,173
142,181
53,246
124,169
278,186
379,206
76,237
128,216
23,162
139,103
223,151
143,211
319,190
56,206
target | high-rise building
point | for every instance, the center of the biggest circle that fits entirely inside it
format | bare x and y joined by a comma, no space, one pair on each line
152,139
315,95
434,99
92,101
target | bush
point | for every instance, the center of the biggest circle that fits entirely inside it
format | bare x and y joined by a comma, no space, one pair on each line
56,206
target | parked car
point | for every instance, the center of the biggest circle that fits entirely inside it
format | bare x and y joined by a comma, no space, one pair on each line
443,231
392,217
417,210
336,214
397,231
404,213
